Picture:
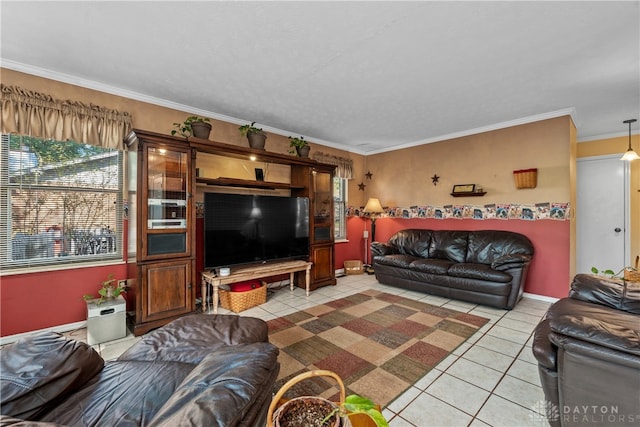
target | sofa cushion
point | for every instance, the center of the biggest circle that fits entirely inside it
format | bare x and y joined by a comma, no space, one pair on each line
487,246
41,368
451,245
412,242
222,389
396,260
432,266
606,291
124,394
478,271
190,338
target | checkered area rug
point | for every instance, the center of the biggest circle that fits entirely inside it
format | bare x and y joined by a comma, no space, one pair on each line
379,344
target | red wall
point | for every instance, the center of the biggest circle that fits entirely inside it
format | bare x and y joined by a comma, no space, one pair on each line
27,305
549,271
41,300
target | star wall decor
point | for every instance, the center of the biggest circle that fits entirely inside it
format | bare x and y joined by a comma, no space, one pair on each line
368,175
361,186
435,179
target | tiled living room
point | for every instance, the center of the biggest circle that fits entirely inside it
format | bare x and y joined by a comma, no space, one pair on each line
463,149
489,380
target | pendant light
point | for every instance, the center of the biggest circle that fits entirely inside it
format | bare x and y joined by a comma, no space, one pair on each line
630,155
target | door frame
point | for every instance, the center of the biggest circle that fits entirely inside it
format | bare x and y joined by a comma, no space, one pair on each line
626,178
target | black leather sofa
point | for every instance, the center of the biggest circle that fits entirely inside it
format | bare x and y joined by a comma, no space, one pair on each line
588,352
485,267
199,370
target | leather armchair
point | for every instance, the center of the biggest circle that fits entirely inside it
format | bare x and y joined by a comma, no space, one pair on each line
588,352
199,370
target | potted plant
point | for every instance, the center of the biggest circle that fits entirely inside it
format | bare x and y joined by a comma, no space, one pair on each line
255,136
311,411
299,146
109,289
198,127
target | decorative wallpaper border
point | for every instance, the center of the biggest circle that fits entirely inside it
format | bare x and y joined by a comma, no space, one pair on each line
527,212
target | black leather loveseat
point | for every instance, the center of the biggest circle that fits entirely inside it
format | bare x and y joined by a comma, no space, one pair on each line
199,370
588,352
485,267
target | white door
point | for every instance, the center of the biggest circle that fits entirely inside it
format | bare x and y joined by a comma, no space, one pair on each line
602,213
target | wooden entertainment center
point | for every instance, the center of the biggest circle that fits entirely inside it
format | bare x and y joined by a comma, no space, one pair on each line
162,218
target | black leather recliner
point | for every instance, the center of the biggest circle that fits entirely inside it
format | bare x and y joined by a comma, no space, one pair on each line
588,352
199,370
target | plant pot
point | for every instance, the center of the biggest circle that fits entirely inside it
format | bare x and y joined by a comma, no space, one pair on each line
257,140
307,411
298,411
303,151
201,129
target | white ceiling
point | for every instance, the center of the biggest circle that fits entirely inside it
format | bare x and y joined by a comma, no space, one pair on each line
363,76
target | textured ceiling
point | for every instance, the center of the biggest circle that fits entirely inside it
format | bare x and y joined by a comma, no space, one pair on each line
363,76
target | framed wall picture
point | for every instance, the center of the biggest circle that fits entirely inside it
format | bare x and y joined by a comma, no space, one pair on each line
259,174
464,188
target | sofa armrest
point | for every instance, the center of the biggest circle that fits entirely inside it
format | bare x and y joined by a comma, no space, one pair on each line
380,248
223,388
543,349
616,330
507,262
608,292
42,367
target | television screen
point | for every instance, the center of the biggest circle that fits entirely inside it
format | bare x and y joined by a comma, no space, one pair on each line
241,229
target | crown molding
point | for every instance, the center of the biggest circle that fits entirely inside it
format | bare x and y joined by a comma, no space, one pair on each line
497,126
89,84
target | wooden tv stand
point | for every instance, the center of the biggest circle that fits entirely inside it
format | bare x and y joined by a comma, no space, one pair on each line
240,274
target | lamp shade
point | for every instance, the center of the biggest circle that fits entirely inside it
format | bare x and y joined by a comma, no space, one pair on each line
630,155
373,206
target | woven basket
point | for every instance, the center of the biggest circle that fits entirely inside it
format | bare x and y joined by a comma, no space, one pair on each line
273,414
632,275
353,267
240,301
526,178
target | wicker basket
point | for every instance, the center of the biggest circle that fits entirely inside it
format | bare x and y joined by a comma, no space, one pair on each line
632,275
526,178
353,267
240,301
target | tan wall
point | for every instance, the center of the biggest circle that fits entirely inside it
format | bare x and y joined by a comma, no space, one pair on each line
160,119
617,146
403,177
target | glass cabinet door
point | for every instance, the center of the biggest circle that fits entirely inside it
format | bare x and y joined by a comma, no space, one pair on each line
167,175
322,206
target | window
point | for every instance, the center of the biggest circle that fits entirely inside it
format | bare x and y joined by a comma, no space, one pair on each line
340,205
61,202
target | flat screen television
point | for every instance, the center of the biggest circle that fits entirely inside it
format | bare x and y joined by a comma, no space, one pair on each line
243,229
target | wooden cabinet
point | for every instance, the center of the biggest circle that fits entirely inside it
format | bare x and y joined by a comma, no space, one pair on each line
161,229
316,182
308,178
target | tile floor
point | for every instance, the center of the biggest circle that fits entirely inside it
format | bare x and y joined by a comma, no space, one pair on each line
490,380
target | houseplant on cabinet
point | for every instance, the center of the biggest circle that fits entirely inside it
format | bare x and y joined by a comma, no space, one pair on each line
198,127
300,146
255,136
109,289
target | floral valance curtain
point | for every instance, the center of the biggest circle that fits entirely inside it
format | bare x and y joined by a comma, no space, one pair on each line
31,113
344,166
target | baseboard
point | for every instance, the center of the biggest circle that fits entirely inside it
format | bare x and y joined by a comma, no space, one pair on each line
60,329
540,297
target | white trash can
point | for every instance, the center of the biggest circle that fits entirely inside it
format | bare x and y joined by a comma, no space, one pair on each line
107,321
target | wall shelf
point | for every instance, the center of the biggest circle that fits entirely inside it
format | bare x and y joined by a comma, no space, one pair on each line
470,194
246,183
